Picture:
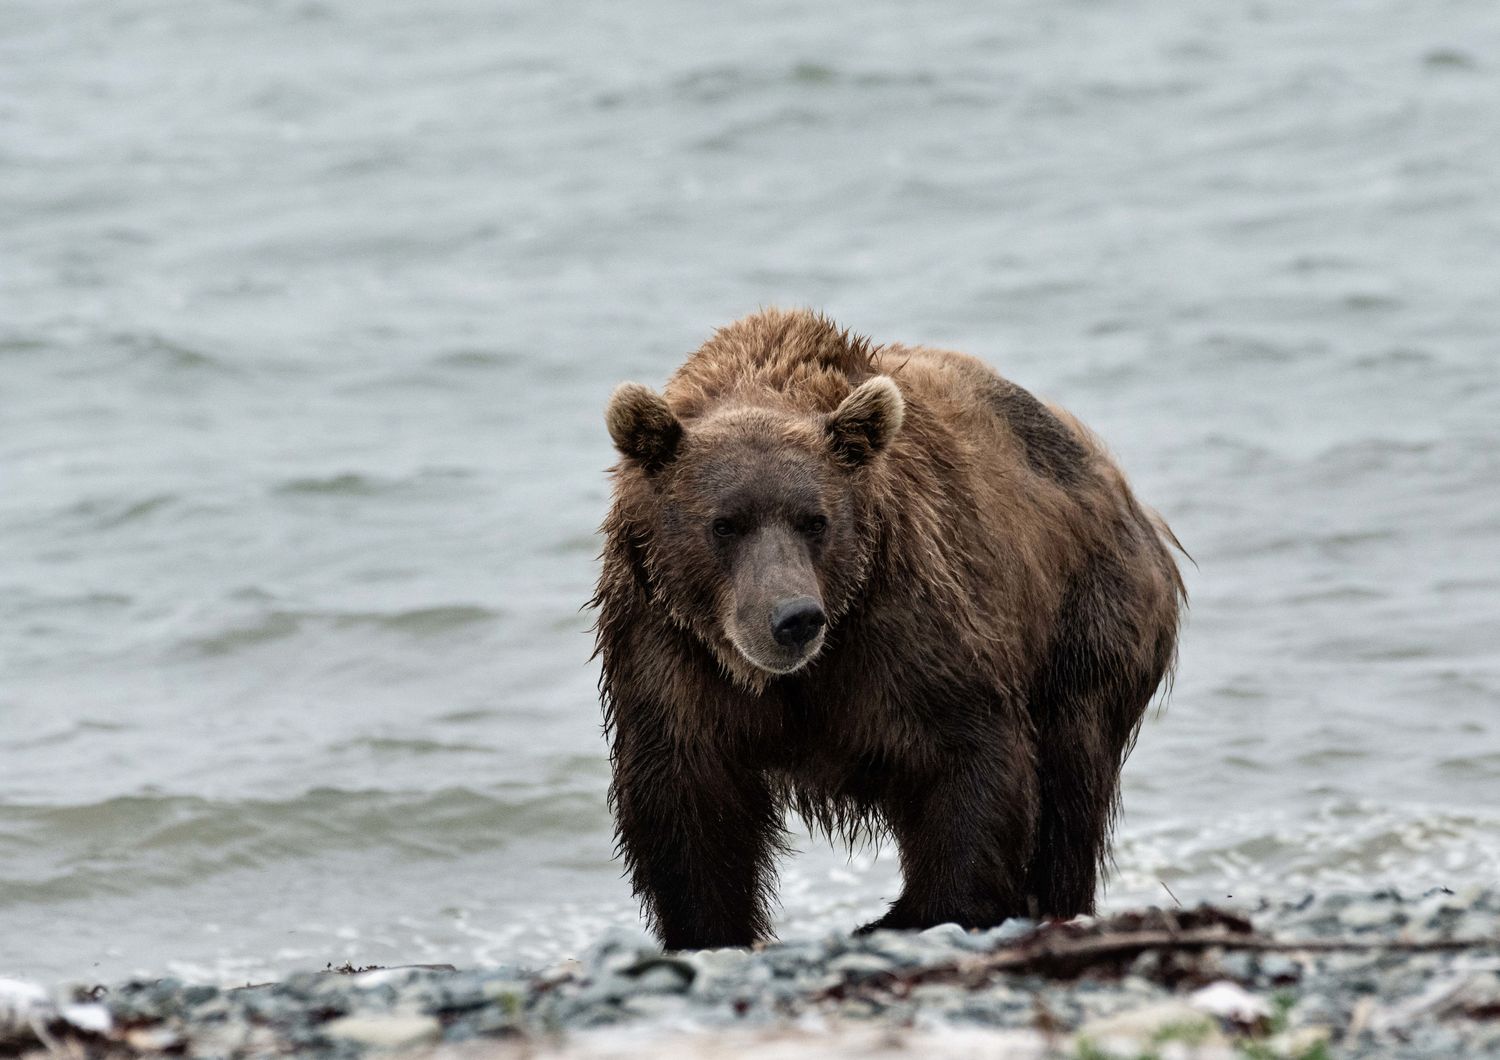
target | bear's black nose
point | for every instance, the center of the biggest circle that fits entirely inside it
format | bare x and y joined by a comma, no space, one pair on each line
795,622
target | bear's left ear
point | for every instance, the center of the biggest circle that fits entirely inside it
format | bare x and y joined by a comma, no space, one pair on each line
866,421
642,426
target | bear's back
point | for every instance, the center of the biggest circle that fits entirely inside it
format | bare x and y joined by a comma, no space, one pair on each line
997,415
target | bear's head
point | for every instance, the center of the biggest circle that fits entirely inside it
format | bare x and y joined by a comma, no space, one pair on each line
751,524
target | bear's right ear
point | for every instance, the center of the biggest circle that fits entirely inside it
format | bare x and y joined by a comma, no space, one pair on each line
642,426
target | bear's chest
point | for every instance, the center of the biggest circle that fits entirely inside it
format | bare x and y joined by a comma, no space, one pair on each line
830,726
828,723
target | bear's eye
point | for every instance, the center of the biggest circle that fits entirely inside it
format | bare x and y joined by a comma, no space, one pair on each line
815,526
723,528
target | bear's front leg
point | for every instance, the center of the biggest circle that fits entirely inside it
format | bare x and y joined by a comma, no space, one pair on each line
698,832
966,835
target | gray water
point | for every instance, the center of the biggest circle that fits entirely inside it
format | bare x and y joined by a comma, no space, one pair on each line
308,311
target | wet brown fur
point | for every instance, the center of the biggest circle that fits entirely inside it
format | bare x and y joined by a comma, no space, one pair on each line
1001,613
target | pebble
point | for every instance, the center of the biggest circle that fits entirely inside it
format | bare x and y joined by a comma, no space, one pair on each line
93,1018
1313,1010
1156,1022
665,977
859,965
153,1039
1299,1042
1362,915
1278,968
1230,1001
386,1031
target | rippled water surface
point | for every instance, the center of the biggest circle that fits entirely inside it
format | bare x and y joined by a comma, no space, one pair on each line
308,311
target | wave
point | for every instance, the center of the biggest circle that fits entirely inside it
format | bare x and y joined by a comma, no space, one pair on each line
158,353
720,84
363,484
110,513
476,360
283,623
128,844
65,733
1342,845
403,748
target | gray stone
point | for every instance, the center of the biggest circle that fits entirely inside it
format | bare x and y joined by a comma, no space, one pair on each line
1240,964
662,976
896,950
1012,929
619,947
197,995
942,997
1312,1010
389,1031
1299,1042
860,1009
1151,1023
945,936
1279,968
604,990
1228,1001
90,1017
795,957
656,1007
858,965
1362,916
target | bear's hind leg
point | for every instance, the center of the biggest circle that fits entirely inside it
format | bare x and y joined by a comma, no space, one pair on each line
1079,785
1109,657
965,836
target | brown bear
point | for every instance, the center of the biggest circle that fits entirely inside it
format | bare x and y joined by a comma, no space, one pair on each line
889,590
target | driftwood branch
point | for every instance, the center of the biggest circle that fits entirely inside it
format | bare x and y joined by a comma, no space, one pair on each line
1067,951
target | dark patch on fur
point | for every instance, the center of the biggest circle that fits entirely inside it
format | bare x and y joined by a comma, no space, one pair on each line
1051,448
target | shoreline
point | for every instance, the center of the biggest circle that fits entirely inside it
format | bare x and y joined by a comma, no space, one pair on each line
1333,975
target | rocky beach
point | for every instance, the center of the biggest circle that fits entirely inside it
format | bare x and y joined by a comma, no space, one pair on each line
1376,974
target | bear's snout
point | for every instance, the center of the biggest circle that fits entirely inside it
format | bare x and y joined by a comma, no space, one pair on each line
795,622
774,609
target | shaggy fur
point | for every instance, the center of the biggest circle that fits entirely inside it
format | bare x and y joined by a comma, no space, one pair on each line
999,613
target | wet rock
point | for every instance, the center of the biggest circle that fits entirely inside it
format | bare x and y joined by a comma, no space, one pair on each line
1361,916
1279,969
1243,965
661,975
154,1039
621,946
199,995
388,1031
92,1017
1313,1010
656,1008
941,998
950,941
1173,1020
860,1009
1232,1003
1299,1042
859,965
791,959
1012,929
894,949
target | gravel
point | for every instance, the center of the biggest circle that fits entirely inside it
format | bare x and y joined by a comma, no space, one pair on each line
1335,975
